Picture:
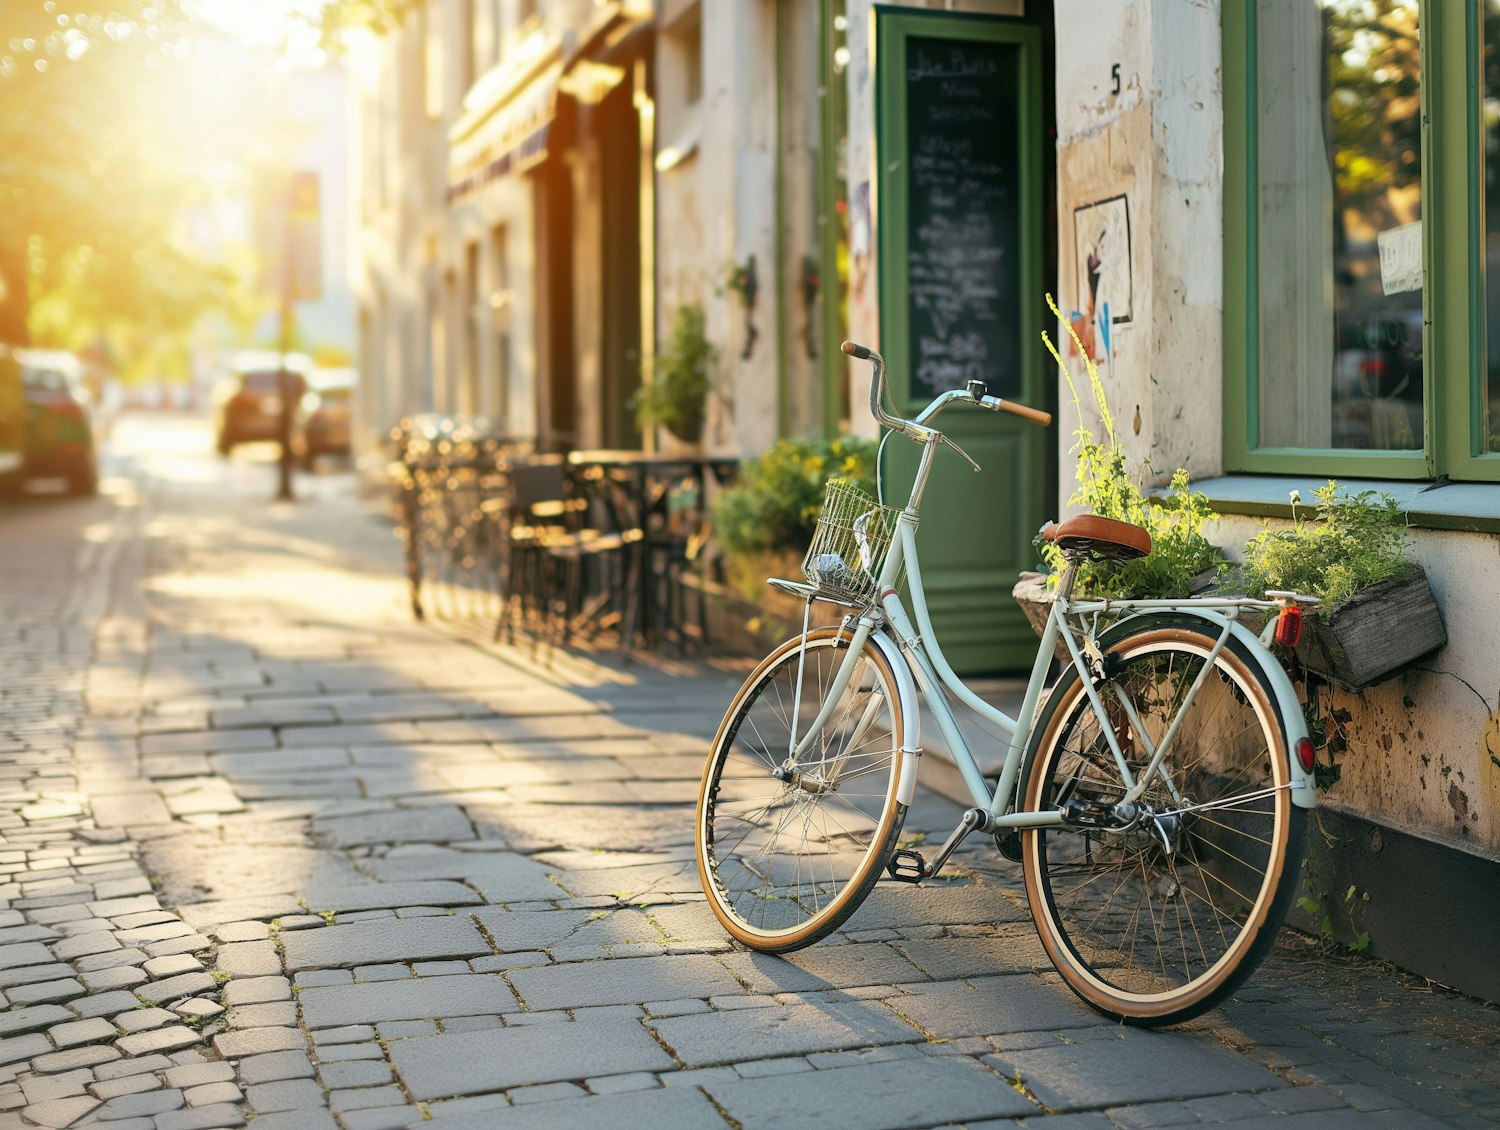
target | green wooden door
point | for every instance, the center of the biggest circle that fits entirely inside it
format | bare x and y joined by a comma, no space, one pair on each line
960,223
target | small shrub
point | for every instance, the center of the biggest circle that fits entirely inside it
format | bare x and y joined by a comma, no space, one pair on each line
1351,541
677,393
774,506
1180,551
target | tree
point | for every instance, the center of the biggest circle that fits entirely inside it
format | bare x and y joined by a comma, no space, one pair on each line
91,197
337,17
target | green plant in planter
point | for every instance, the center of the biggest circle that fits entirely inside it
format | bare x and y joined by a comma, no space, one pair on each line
764,524
677,394
1351,541
1181,559
774,506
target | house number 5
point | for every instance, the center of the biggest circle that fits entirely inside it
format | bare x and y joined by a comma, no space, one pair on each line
1114,74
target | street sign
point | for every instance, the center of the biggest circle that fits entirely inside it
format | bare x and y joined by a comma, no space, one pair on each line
288,235
304,238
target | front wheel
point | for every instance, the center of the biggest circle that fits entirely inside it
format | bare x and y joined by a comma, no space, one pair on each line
789,847
1155,922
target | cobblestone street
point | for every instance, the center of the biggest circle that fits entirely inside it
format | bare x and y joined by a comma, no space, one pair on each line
271,849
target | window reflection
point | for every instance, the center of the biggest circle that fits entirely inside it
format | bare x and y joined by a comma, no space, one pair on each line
1490,111
1339,209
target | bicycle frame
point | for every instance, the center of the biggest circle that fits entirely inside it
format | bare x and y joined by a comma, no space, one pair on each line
918,646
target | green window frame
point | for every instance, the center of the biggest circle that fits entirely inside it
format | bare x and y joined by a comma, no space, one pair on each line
1453,269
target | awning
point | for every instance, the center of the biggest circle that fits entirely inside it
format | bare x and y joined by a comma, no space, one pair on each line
508,137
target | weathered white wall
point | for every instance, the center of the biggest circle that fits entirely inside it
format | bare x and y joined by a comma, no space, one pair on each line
685,271
505,202
1422,746
717,208
1158,143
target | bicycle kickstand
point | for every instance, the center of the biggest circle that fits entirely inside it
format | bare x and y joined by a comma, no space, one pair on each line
908,866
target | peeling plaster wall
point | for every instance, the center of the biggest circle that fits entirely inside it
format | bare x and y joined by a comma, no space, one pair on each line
1158,143
1423,748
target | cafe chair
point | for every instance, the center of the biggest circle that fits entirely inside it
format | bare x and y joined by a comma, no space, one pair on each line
531,508
596,569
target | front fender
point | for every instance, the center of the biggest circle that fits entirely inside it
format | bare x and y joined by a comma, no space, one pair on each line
911,713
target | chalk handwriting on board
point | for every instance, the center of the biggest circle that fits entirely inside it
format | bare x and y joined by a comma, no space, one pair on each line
963,234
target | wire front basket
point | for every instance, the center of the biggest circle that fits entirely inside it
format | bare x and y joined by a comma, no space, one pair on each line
849,544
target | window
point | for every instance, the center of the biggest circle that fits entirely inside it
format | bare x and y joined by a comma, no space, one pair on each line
489,38
432,65
470,47
499,310
1490,117
1352,277
472,313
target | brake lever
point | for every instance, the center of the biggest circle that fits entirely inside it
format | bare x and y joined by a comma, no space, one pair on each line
967,458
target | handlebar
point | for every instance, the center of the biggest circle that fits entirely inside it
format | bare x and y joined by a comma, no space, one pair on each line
917,428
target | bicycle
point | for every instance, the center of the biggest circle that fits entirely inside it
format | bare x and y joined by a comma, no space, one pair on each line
1156,798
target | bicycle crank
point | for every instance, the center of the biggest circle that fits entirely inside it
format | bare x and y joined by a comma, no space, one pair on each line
907,866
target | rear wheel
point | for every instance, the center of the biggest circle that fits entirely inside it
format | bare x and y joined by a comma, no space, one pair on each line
1155,922
787,852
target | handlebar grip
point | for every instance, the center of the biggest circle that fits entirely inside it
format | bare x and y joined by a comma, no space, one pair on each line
1035,415
860,351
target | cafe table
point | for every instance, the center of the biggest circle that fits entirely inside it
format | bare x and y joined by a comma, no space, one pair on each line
668,496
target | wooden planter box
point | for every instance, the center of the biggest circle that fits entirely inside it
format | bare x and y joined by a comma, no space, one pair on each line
1035,598
1356,644
1372,635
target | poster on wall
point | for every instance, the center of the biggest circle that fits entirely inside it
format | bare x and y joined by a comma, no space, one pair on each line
1101,241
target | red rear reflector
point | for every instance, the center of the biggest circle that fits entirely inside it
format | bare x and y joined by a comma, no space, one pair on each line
1289,626
1305,756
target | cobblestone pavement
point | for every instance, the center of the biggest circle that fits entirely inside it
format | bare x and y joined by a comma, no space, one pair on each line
268,848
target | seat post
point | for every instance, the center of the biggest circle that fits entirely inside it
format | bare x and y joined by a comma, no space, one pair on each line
1069,575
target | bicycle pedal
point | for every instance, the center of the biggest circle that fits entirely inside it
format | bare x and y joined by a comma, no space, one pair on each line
1009,846
907,866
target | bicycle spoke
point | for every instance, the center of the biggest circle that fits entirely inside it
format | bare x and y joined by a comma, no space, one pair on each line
1155,906
791,856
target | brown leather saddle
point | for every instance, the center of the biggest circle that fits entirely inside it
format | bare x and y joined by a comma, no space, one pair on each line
1088,535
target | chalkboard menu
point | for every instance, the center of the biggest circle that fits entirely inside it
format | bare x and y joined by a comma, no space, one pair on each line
963,201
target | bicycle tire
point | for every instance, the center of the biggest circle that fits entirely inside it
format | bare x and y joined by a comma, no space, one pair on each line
1144,934
753,876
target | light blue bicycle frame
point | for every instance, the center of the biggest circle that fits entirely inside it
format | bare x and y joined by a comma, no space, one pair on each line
916,649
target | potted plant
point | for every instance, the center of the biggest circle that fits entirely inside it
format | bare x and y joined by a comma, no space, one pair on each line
676,396
1353,552
1182,559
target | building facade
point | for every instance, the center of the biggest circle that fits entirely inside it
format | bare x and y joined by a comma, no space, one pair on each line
1268,223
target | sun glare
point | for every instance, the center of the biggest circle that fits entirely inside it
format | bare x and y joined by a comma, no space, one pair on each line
282,24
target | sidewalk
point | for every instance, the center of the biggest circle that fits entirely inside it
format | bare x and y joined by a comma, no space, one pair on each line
270,847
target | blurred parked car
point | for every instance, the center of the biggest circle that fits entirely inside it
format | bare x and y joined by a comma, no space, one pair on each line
324,416
247,403
12,421
59,420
